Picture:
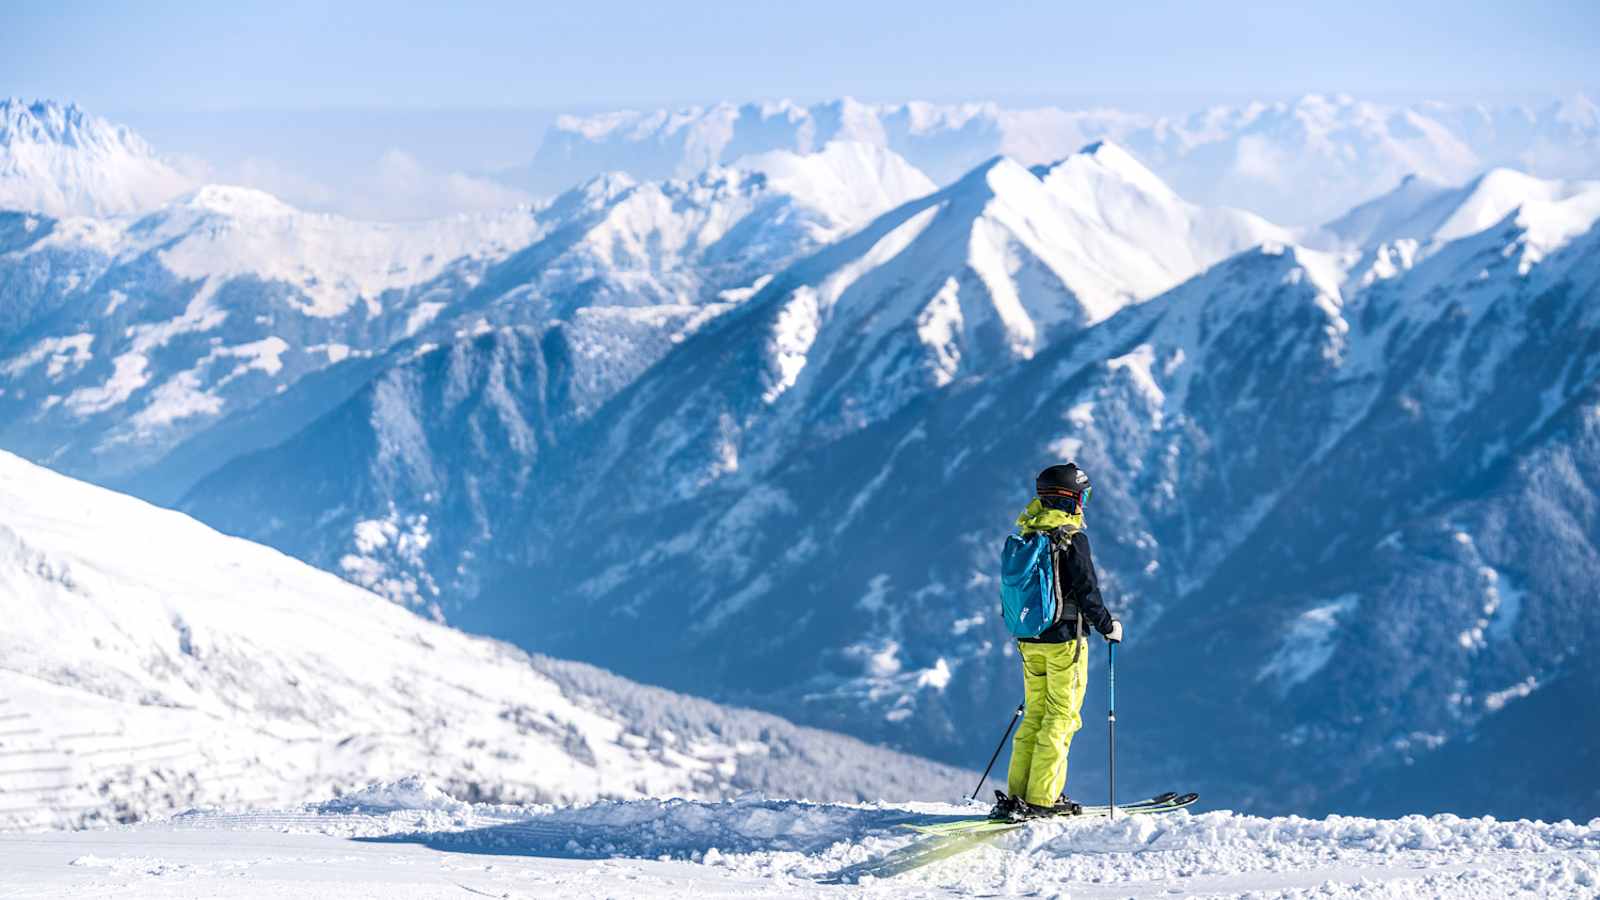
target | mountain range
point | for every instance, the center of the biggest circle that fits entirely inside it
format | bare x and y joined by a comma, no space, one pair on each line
1301,162
127,336
750,435
963,282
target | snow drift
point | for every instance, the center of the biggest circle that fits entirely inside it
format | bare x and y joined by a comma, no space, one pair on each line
407,839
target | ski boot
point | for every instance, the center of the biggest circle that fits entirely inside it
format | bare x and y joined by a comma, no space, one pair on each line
1064,806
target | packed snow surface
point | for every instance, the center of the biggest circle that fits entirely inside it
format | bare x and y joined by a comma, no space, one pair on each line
408,839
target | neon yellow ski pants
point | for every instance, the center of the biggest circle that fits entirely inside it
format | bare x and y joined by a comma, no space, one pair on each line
1053,678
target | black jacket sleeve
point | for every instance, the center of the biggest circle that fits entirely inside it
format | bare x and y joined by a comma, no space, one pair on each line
1083,585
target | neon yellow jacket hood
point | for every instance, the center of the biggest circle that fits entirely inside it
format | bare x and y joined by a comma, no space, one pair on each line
1038,517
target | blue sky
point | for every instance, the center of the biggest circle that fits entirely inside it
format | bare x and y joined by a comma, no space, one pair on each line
599,53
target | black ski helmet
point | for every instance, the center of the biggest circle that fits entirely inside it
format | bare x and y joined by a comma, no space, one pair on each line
1063,487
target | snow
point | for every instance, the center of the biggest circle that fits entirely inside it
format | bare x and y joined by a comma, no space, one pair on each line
183,395
1308,644
58,354
1502,603
179,397
612,345
61,161
937,677
152,664
409,839
336,352
939,328
1496,700
1435,213
420,316
854,181
1138,366
885,661
793,333
228,232
129,373
1065,448
265,355
391,558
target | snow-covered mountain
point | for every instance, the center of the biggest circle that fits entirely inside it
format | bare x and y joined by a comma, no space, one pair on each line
60,161
960,283
1556,139
1427,212
1305,160
944,140
1300,161
1339,494
152,665
123,338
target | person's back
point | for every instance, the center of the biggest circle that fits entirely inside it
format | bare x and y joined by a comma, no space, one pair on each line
1055,663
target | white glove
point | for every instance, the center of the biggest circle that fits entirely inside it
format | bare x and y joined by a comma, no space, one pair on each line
1115,637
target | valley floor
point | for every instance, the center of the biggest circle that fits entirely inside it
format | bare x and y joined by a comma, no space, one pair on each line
408,840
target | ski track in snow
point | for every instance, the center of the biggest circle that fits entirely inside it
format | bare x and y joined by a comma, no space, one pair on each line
408,839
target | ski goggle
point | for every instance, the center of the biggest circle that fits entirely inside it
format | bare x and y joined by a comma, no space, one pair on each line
1074,500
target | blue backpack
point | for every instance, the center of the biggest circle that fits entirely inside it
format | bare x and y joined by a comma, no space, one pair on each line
1029,600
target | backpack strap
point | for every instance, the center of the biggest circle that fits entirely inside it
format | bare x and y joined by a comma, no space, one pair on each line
1061,540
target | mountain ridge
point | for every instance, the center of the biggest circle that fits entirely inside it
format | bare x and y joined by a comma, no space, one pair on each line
1261,156
59,160
131,335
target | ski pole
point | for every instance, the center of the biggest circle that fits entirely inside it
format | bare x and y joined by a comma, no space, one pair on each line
1111,722
1009,725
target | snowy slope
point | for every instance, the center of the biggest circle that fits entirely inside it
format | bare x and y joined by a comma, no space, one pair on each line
122,336
58,160
409,840
1299,161
152,664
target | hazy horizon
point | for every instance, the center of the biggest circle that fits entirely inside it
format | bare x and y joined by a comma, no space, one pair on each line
391,112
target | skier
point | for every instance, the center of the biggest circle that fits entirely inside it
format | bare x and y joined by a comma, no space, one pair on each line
1055,665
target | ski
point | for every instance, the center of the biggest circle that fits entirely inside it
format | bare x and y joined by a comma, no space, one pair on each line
923,852
1089,809
944,840
1160,803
